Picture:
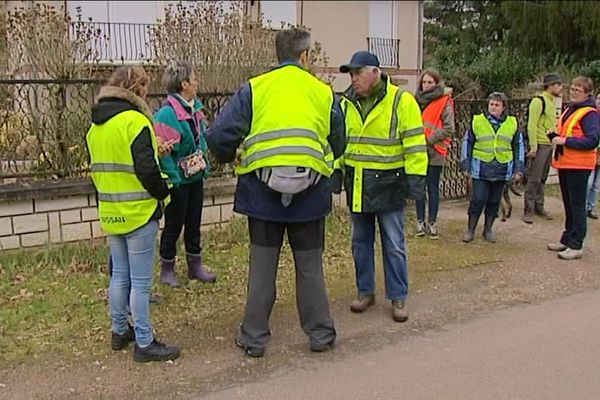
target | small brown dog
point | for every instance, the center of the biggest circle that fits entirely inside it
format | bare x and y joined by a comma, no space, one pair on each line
505,203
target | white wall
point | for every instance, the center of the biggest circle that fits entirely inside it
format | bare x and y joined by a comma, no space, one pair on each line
278,12
145,12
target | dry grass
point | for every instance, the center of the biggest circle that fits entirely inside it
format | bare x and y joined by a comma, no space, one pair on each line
53,300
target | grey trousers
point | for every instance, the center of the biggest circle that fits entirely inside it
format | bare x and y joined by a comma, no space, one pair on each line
537,174
306,240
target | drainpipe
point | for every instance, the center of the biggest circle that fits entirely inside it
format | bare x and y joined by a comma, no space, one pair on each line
420,38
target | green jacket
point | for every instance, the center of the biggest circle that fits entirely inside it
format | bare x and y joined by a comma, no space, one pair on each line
175,120
538,123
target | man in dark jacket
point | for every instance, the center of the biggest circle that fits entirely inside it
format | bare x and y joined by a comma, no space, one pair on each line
291,128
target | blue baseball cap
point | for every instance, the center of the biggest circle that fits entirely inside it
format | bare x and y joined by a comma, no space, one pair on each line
360,59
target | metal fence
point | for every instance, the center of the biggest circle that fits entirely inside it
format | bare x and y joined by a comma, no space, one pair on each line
119,41
387,50
43,125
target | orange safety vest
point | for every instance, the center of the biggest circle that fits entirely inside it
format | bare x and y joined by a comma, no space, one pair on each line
574,158
432,122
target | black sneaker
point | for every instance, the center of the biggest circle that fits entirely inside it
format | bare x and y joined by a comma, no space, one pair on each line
254,352
119,342
321,347
156,351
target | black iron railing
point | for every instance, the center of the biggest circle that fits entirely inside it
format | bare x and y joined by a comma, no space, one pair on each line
43,125
387,50
116,41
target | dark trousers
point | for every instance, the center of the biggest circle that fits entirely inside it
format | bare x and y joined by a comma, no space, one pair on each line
185,209
537,174
486,196
306,240
433,194
573,187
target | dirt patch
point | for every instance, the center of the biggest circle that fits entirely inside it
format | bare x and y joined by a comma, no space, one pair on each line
514,271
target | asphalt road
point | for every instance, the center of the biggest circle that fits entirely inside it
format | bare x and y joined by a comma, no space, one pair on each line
547,351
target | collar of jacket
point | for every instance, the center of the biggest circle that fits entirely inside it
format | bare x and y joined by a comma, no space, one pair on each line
116,92
496,121
351,95
181,111
589,102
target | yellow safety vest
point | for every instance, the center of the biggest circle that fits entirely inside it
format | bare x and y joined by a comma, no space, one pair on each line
123,203
490,144
291,118
391,137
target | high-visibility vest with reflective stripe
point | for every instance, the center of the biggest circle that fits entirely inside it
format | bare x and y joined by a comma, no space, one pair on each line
291,118
432,122
390,137
490,144
574,158
123,203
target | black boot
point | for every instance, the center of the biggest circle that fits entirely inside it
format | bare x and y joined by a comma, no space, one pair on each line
488,233
471,225
156,351
119,342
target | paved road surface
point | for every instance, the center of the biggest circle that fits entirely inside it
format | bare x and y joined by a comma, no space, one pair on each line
547,351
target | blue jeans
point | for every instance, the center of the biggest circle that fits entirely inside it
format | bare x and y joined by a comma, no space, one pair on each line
433,194
593,188
573,184
133,260
486,195
391,226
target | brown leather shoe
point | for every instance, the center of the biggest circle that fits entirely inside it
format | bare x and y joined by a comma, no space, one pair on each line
362,303
527,217
399,310
544,214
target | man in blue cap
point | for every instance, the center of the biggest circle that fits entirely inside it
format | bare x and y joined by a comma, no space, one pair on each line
385,163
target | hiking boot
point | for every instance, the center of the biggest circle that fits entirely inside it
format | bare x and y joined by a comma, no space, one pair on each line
119,342
362,303
556,246
254,352
399,310
592,214
488,233
421,228
198,271
167,273
319,348
433,230
156,351
527,217
544,214
471,225
570,254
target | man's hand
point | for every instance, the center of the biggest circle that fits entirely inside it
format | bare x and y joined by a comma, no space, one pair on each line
238,157
532,154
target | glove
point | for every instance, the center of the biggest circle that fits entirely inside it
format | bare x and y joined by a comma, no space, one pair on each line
335,181
417,187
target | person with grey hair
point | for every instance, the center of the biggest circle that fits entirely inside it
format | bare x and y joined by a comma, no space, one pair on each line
291,127
180,125
493,153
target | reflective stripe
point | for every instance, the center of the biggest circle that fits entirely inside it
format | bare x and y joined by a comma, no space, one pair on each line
303,150
372,140
394,121
412,132
280,134
484,150
118,197
505,139
482,139
369,158
415,149
112,167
